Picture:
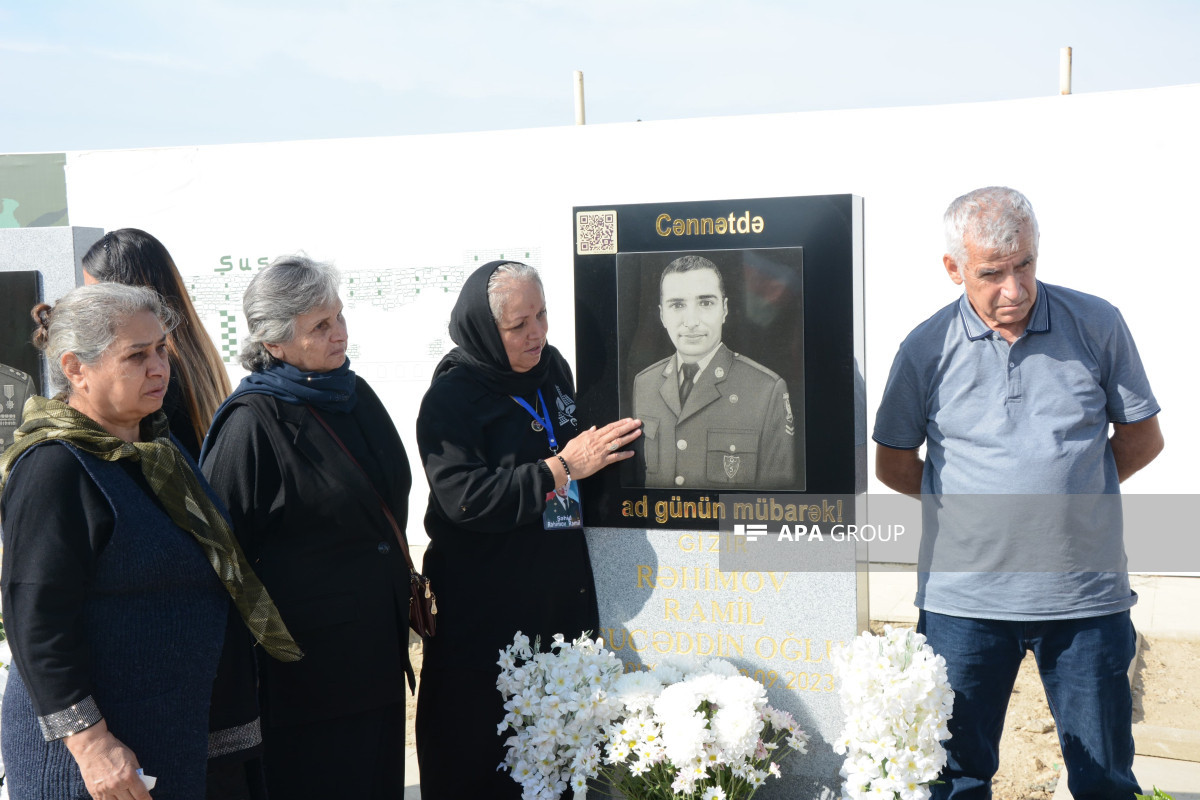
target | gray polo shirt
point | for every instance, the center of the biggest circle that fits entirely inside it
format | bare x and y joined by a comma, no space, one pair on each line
1017,460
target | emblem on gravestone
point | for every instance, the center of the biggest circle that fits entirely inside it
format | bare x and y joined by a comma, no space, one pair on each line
9,392
731,466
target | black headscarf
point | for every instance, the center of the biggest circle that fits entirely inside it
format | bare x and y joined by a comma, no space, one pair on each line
480,348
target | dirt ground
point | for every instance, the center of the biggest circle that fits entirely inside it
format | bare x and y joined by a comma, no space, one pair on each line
1165,693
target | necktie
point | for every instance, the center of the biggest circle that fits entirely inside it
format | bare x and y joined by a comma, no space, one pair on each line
689,380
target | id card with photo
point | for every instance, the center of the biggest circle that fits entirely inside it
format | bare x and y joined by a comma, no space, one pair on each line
563,509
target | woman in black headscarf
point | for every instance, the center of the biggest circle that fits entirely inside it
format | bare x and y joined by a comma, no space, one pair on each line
498,434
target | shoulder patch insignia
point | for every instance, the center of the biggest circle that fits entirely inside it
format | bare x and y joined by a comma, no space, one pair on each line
790,425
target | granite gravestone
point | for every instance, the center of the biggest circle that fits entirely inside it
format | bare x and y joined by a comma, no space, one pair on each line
765,296
50,261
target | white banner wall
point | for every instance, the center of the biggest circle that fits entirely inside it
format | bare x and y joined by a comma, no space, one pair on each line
1113,178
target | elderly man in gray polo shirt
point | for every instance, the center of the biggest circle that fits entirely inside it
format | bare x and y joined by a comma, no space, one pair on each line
1022,388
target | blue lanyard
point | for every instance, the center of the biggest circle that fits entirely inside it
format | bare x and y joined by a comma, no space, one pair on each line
543,421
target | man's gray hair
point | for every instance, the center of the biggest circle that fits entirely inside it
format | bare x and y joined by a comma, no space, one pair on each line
286,288
992,218
87,320
505,280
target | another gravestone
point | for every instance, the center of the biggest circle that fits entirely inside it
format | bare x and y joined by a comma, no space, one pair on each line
37,265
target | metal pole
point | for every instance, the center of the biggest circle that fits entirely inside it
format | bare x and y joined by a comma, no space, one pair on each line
579,115
1064,71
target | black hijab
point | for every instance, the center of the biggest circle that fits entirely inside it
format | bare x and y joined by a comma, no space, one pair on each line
480,349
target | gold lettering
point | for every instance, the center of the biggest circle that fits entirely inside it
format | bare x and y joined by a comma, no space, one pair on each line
671,609
662,577
758,647
645,573
665,225
689,542
743,511
660,512
633,644
775,579
662,641
746,582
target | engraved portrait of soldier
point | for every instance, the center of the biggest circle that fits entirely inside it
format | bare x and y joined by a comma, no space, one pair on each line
712,349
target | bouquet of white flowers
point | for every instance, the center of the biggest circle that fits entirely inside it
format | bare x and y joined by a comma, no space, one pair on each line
558,704
897,701
698,729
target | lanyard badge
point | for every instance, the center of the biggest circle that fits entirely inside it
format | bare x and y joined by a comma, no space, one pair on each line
563,510
540,422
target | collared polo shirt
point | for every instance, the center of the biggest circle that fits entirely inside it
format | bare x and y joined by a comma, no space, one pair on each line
1028,419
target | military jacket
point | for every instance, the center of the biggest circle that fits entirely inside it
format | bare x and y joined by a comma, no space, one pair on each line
15,388
736,429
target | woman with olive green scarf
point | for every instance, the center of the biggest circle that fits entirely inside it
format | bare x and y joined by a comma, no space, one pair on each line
118,568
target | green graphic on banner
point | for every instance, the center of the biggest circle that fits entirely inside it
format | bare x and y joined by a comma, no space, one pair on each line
33,190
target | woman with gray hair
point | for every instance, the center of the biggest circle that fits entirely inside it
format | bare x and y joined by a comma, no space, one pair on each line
502,445
315,477
115,552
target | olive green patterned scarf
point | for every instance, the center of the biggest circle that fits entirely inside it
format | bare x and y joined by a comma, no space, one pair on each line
179,490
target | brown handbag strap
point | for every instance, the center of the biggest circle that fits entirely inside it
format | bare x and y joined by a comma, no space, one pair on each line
387,512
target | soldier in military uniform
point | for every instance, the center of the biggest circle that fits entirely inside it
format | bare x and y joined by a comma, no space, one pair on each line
15,388
711,418
562,510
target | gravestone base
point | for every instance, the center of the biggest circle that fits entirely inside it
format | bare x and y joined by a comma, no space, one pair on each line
661,592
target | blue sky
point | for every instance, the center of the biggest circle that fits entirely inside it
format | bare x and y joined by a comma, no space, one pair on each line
98,74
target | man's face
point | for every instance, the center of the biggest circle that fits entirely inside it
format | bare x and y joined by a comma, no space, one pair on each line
561,491
693,310
1000,287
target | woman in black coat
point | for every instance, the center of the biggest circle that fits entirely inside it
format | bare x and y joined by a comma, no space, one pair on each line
498,434
306,458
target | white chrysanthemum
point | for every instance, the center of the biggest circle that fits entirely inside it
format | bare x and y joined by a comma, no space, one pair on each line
897,701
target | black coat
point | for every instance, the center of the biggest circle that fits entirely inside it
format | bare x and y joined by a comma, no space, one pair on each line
494,567
310,522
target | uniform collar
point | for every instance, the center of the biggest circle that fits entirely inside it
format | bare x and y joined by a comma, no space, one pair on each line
702,363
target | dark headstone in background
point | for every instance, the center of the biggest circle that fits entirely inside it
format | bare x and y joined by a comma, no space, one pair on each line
18,294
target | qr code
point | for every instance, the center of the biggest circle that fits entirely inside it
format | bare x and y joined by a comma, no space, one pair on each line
595,233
